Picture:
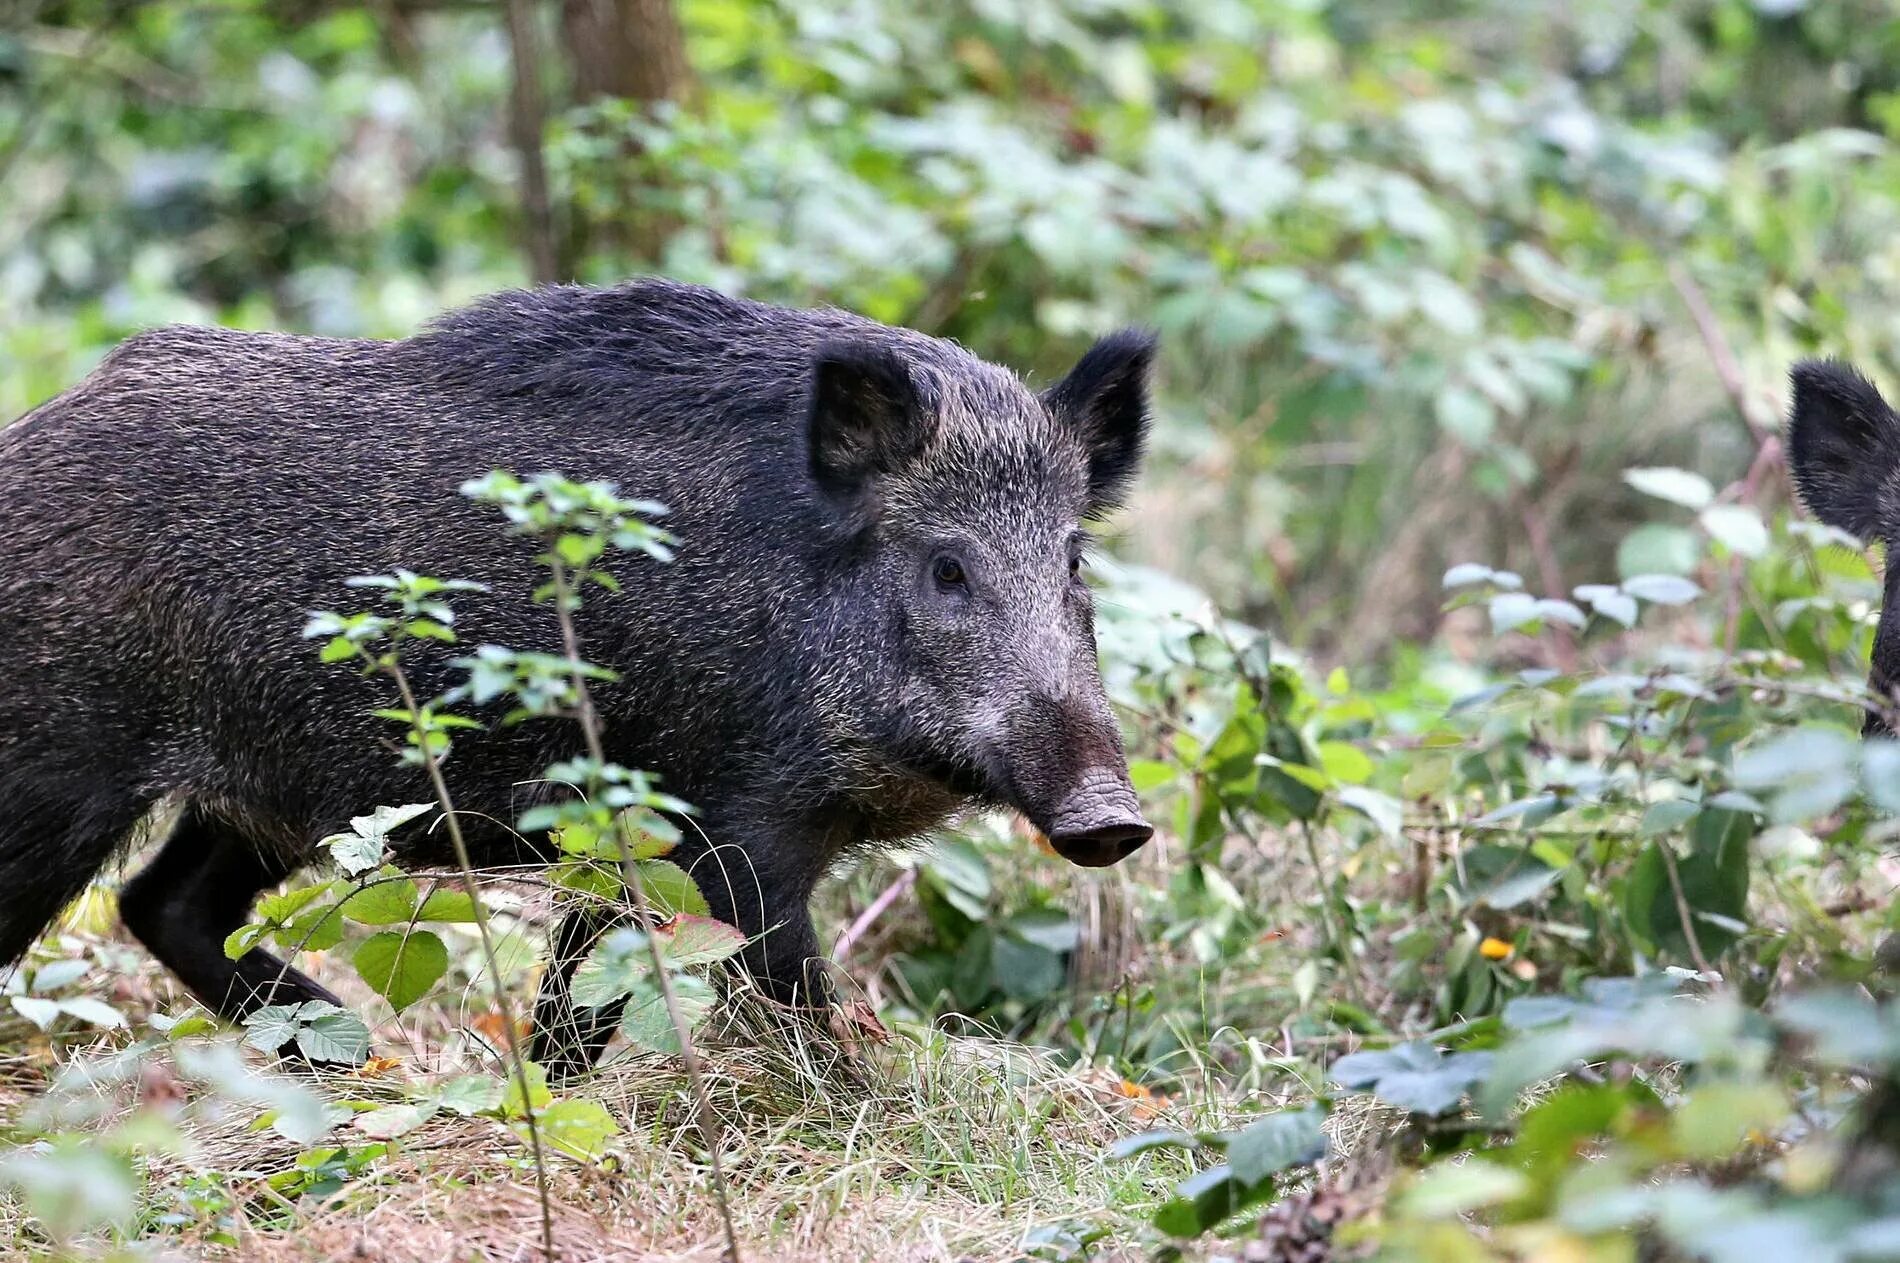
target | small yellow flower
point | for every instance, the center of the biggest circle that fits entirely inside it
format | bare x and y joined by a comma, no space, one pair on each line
1495,949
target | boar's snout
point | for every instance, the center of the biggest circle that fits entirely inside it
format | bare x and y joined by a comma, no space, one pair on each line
1098,822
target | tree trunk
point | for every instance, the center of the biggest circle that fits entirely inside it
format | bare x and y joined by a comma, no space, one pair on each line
527,119
626,48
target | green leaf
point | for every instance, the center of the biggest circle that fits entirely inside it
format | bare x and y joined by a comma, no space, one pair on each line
447,906
1678,486
1466,415
612,969
92,1011
1383,810
1612,603
332,1034
1147,1141
1276,1142
695,940
1736,527
513,1105
243,939
579,1128
1658,548
470,1094
393,1121
279,908
401,967
670,890
272,1027
1662,589
37,1010
1413,1076
1452,1189
647,1023
386,901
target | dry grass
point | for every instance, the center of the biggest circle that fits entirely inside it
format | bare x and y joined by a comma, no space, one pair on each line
932,1147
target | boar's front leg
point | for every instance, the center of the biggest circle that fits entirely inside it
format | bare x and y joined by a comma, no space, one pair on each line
766,892
199,889
768,902
568,1039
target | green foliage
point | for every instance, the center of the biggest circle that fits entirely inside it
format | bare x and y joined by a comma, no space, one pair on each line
1574,881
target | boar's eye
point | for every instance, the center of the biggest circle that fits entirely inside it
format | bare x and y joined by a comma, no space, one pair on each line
1075,565
948,572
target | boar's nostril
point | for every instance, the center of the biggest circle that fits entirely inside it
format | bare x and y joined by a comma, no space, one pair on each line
1104,845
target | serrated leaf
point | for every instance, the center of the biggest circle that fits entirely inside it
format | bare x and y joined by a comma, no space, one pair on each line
272,1027
611,970
447,906
670,890
387,901
354,853
693,940
469,1094
332,1034
401,967
647,1023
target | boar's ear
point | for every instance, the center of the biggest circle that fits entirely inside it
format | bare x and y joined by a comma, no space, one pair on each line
866,416
1844,447
1105,398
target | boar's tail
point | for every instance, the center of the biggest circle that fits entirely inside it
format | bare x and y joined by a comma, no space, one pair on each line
51,846
1844,449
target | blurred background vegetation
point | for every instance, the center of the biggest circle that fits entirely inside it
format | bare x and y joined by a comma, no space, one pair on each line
1467,309
1428,274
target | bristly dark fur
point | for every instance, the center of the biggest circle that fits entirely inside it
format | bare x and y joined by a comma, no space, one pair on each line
1844,448
797,673
1106,395
1844,452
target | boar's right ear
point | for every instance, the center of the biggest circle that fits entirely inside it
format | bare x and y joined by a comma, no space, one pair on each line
1843,446
866,416
1105,396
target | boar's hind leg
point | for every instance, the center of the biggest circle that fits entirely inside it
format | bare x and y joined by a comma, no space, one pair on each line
198,890
568,1040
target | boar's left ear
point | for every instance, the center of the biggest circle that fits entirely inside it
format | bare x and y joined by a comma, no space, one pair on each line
867,417
1843,447
1105,397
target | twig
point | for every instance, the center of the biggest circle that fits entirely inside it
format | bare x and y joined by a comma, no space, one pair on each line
1727,368
1537,530
1682,910
856,929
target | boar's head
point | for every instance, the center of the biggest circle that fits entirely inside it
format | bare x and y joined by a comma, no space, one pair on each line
960,498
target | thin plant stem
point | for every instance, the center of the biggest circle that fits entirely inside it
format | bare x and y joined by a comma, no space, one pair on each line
589,720
517,1062
1335,936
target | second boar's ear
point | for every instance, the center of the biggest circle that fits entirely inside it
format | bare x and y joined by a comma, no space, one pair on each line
1843,447
866,416
1105,397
